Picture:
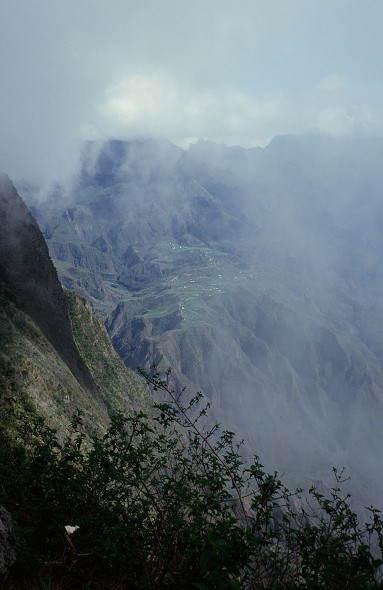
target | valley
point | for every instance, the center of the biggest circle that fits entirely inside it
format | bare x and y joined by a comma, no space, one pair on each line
254,274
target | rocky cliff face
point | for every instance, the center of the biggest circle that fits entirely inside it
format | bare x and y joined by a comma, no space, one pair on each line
55,356
255,274
26,269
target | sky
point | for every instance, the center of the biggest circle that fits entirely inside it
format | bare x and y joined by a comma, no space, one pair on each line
237,72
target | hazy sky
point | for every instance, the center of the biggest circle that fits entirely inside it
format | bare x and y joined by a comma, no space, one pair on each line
237,72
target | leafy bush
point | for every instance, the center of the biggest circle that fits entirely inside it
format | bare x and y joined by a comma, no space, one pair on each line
164,501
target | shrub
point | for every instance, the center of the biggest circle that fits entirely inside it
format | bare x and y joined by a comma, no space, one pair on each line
164,501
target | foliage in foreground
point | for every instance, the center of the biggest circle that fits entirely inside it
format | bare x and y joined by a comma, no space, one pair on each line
163,501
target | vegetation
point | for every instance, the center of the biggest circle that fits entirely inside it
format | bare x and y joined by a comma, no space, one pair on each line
163,501
118,386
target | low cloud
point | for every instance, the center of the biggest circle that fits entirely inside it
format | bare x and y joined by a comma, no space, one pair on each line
72,71
158,105
331,83
339,121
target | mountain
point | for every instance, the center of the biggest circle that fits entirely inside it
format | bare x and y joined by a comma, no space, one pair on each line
26,269
255,274
55,355
154,499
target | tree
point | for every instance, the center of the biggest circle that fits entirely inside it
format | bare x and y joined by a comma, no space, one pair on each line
164,501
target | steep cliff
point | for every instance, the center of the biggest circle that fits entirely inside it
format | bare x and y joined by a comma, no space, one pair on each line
55,356
26,269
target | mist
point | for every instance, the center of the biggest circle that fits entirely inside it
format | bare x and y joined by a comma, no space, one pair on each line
254,273
209,177
74,72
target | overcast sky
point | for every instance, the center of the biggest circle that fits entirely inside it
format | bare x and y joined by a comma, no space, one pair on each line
237,72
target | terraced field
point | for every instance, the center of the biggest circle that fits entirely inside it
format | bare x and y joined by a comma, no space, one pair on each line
192,275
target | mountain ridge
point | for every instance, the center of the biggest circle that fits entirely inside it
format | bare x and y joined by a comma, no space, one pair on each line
246,278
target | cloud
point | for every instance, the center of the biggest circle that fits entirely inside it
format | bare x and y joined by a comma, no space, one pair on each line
158,105
216,69
343,120
337,121
332,83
